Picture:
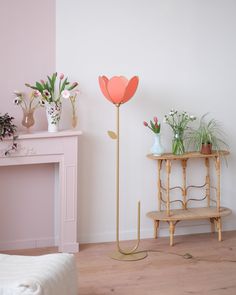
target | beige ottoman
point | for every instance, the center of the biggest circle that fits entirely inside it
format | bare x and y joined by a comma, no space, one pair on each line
52,274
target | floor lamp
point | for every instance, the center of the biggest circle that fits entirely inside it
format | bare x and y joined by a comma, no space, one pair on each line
119,90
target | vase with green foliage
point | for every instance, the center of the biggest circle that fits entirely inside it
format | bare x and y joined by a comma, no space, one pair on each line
179,122
207,136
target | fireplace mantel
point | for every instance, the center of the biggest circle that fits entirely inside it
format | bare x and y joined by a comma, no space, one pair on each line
62,148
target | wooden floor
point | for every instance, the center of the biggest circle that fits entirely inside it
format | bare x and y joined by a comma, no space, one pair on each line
197,264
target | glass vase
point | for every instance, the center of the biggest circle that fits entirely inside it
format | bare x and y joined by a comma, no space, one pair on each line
28,118
178,144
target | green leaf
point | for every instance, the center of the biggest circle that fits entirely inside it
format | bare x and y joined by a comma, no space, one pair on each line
39,87
63,85
152,125
112,134
46,86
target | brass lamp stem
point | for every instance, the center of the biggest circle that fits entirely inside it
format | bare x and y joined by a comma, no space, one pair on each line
117,175
123,254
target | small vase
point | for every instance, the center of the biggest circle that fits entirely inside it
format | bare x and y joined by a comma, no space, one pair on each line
178,144
28,118
74,120
157,148
53,111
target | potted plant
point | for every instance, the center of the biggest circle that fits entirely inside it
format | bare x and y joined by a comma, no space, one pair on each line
8,131
207,137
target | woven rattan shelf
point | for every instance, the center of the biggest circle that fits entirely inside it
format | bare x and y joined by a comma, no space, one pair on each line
173,216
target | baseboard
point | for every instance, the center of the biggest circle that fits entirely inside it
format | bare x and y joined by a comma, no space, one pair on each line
69,248
28,243
185,229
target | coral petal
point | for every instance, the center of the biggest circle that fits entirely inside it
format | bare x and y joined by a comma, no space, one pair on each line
103,81
130,89
116,88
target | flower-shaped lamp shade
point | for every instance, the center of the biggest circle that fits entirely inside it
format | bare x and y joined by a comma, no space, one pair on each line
118,90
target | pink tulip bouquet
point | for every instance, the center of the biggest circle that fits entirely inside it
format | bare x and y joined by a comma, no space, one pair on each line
52,92
47,88
154,126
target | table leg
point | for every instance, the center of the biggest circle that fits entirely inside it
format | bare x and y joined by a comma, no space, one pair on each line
168,171
219,228
156,226
217,162
172,230
212,221
207,164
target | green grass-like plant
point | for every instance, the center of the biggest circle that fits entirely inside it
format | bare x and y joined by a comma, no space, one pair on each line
8,131
208,132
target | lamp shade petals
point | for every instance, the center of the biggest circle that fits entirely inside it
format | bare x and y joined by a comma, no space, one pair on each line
103,81
116,87
130,89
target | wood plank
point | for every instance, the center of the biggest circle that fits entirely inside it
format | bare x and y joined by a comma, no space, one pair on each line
210,271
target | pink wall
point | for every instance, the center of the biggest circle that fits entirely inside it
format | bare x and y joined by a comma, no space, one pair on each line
27,53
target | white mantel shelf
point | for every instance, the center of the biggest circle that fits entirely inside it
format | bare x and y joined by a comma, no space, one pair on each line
45,134
61,148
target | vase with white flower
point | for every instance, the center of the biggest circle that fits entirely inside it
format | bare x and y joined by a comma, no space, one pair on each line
155,126
178,121
52,98
28,106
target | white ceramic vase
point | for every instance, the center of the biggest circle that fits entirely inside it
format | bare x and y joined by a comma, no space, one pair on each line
157,148
53,111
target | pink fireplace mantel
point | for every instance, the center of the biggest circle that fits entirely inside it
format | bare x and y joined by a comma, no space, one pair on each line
62,148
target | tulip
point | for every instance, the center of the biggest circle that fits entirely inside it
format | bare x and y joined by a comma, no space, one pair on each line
75,84
36,93
42,81
155,120
118,90
65,94
145,123
61,76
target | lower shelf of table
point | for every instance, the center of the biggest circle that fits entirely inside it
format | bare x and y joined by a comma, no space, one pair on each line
189,214
176,215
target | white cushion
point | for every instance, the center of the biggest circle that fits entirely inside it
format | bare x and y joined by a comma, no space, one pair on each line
52,274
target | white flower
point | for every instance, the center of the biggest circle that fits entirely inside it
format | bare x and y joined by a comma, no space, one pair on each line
65,94
17,101
17,93
192,118
46,93
41,102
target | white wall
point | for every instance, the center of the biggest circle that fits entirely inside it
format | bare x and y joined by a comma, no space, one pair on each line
184,53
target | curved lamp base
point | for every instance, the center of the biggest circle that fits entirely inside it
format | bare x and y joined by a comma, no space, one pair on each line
129,257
